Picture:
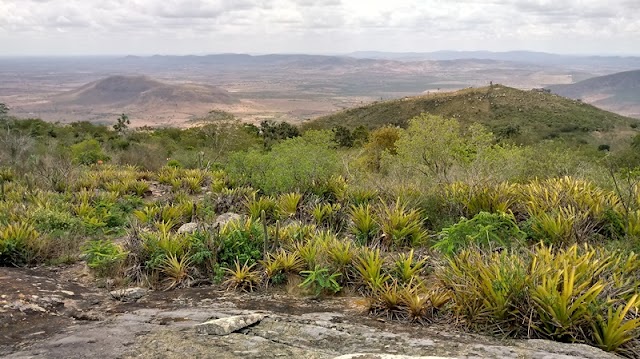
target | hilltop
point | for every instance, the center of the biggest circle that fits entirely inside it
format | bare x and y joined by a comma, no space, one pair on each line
147,102
140,90
619,92
523,116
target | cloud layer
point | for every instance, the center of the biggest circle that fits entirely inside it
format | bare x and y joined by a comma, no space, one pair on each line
316,26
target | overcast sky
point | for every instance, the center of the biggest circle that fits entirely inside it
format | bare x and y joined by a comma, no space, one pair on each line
62,27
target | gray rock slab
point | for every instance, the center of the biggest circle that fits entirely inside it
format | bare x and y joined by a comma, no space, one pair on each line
128,294
228,325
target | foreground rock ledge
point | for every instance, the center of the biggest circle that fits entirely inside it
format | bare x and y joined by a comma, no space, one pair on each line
385,356
167,325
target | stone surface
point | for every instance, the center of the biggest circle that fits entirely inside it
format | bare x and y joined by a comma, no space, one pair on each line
228,325
385,356
225,218
188,228
128,294
162,326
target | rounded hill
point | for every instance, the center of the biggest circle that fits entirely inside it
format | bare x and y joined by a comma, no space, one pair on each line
140,91
522,116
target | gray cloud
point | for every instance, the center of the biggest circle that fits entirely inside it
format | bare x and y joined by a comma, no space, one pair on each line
208,26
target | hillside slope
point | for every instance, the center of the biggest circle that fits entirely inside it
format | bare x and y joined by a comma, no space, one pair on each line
619,92
523,116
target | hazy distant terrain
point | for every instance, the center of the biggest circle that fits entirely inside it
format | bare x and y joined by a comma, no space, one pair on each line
619,92
606,63
138,96
279,87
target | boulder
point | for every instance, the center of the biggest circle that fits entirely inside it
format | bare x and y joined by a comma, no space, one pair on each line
188,228
225,218
228,325
128,294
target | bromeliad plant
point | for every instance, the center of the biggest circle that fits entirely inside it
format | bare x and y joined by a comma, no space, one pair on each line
406,268
17,243
266,204
242,277
472,200
340,255
327,215
400,226
370,269
288,204
575,294
617,327
363,223
176,271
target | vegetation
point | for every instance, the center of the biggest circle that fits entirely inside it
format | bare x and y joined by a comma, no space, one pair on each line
521,116
438,221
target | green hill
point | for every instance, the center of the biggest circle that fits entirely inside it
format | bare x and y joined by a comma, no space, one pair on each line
523,116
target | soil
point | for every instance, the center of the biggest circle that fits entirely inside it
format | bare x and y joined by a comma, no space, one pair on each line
61,313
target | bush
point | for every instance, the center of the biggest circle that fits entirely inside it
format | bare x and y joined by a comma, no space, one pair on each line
242,241
382,140
47,220
104,256
88,152
485,230
297,164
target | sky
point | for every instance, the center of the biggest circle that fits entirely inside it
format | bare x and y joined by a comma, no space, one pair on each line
145,27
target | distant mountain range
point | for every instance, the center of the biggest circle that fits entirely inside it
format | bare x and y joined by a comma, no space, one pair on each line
532,57
619,92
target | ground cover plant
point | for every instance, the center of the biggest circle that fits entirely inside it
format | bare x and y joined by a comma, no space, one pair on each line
432,222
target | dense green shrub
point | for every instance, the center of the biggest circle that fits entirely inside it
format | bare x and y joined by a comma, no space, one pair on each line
486,230
104,256
241,241
47,220
301,163
88,152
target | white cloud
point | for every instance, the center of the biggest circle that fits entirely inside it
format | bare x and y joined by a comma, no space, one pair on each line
207,26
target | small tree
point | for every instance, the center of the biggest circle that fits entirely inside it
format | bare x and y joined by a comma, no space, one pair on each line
433,145
4,110
122,123
342,136
380,141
